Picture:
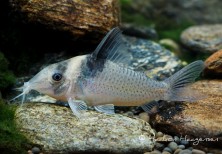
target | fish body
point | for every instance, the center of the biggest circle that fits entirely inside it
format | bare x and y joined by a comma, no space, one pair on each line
120,86
102,80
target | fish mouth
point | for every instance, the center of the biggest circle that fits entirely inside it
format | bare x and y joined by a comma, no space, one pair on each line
25,90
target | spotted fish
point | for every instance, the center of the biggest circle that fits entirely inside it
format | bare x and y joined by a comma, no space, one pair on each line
103,80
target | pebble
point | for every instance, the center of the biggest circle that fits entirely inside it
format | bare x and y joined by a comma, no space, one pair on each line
196,151
30,152
166,152
177,151
155,152
176,139
159,134
171,44
181,147
186,151
35,150
159,146
190,148
167,149
173,146
184,142
144,116
129,114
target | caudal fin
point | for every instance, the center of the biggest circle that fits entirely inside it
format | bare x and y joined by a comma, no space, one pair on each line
177,85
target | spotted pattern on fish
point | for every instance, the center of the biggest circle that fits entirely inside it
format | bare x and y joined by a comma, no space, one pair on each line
121,86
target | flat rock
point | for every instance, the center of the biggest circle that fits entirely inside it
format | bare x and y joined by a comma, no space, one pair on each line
56,130
78,17
214,65
204,38
200,120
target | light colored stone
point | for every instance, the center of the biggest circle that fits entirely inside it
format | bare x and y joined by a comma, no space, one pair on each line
177,151
155,152
181,147
159,134
196,151
166,152
170,44
186,151
144,116
55,129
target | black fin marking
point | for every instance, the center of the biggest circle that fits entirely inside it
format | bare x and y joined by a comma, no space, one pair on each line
151,107
112,48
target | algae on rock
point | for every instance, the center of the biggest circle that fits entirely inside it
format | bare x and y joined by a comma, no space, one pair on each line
6,77
10,140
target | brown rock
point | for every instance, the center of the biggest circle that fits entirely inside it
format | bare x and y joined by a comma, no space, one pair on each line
78,17
201,120
214,64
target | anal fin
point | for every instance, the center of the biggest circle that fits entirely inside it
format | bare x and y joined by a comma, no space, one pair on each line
107,108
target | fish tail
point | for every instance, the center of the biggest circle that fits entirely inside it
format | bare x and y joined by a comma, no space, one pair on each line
178,88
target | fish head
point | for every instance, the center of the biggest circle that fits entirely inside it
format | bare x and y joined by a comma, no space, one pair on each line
54,80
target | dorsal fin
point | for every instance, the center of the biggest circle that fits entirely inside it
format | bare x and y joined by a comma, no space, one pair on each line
112,48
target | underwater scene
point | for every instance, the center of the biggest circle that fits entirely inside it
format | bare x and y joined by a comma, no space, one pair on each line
110,77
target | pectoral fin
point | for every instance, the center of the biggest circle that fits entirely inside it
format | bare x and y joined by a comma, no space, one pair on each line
151,107
77,106
108,108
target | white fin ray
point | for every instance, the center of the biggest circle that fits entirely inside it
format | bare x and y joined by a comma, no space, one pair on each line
177,84
77,106
107,108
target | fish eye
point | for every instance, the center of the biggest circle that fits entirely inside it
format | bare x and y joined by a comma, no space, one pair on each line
57,77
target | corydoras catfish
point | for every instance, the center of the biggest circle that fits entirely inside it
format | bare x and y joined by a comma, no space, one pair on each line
102,80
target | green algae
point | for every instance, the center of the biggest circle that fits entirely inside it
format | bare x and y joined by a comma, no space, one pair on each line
11,141
6,77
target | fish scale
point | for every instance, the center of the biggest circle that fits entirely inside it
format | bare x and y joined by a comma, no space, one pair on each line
122,86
